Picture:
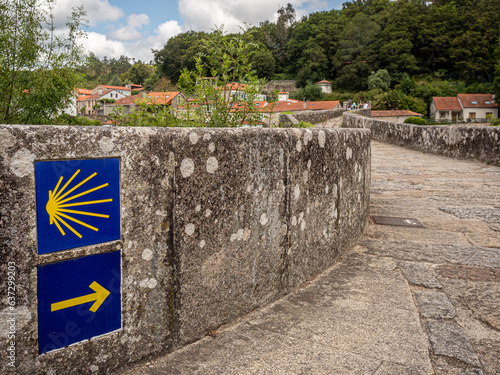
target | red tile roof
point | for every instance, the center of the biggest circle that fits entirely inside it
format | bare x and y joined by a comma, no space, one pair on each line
82,98
128,100
392,113
480,101
84,91
324,81
447,103
161,97
233,86
114,87
97,96
151,98
322,105
295,105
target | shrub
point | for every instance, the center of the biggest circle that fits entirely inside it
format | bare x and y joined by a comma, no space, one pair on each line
66,119
415,120
304,124
495,122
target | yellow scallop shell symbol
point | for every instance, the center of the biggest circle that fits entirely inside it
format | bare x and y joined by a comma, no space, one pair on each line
57,204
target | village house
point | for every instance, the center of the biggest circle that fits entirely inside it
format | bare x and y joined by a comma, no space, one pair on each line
125,91
326,86
271,111
471,107
134,87
130,103
83,92
394,115
283,95
71,107
237,91
94,104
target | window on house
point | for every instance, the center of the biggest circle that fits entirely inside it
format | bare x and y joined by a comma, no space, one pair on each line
487,102
489,115
442,114
474,102
472,115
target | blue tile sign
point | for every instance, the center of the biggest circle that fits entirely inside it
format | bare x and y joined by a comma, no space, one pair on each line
77,203
78,299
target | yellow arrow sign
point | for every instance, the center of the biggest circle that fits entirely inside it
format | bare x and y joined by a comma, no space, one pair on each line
99,296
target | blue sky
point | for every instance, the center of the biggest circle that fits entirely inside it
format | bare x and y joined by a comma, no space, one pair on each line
133,28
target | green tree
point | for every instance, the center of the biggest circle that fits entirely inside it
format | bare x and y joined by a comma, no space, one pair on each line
263,63
151,81
278,34
407,85
226,61
310,92
146,115
140,72
178,53
388,100
305,76
37,65
496,79
357,52
379,80
115,81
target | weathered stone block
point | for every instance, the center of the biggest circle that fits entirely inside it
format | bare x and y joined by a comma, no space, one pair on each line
329,196
230,224
146,168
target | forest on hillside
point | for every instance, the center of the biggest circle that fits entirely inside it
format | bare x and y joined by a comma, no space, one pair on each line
396,53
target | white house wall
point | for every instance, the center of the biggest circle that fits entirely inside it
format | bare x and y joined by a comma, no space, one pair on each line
480,112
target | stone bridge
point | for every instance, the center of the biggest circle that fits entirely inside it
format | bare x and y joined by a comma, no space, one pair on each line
250,251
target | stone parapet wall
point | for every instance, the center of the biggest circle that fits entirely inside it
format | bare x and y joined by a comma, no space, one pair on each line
280,85
214,224
315,116
480,143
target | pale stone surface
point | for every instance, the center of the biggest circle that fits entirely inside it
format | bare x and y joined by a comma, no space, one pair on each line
22,163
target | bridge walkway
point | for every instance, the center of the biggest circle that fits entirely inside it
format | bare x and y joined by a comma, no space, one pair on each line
406,300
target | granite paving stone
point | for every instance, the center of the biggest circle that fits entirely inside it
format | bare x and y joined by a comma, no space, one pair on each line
420,274
434,305
448,339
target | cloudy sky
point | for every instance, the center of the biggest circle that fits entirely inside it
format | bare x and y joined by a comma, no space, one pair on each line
132,28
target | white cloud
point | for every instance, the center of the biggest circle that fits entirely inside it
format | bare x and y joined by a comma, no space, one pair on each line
197,15
167,30
130,31
102,46
206,14
142,49
98,11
